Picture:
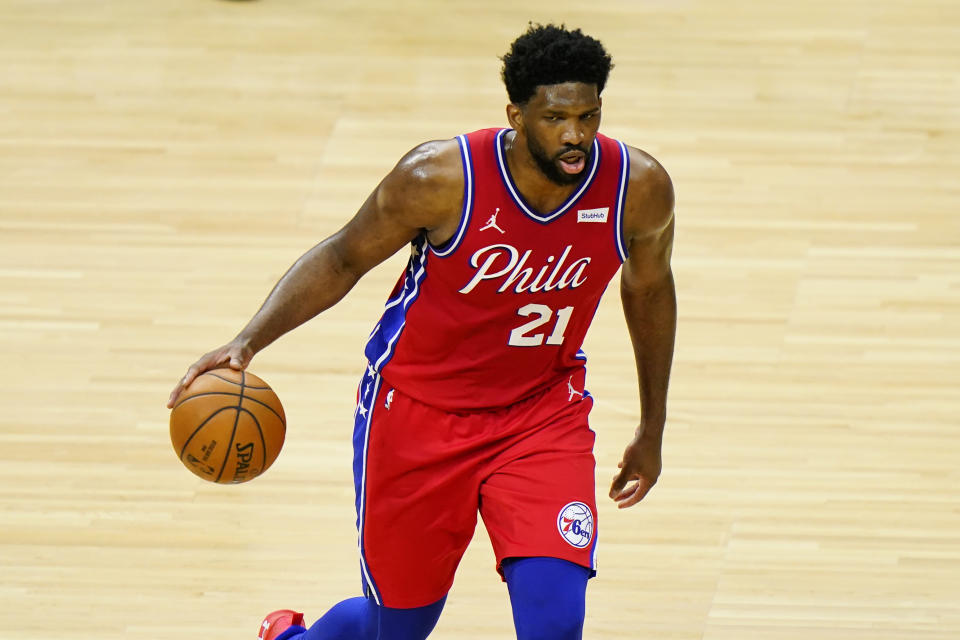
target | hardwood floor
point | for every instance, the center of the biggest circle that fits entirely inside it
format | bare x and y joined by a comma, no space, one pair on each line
162,164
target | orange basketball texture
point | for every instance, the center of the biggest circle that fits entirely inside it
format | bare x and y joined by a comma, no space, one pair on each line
227,426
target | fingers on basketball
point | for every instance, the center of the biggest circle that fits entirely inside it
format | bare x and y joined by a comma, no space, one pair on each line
209,362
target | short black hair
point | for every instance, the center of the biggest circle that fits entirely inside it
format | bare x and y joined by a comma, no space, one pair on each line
548,54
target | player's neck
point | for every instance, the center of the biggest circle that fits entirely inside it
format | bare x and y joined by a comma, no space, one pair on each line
539,191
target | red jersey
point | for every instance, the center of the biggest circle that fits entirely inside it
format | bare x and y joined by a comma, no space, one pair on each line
501,310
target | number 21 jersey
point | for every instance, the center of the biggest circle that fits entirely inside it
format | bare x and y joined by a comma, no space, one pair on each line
501,310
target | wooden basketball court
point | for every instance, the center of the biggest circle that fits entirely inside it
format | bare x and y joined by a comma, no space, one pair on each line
162,164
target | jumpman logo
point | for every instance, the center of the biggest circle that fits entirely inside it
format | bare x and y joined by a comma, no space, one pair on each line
492,222
573,392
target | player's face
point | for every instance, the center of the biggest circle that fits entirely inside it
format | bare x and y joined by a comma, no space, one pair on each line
560,123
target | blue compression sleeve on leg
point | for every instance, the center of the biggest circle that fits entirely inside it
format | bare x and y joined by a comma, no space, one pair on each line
409,624
548,597
292,632
363,619
351,619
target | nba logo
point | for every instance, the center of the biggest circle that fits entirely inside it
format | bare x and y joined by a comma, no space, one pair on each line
575,524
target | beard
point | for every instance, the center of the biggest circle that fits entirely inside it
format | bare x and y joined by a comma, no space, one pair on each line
548,166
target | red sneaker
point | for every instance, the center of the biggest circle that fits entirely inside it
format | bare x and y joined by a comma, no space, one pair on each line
277,622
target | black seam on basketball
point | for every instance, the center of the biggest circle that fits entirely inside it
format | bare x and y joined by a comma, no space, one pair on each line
205,393
202,425
231,393
272,410
236,421
211,373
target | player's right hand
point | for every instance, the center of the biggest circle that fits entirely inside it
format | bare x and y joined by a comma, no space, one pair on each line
234,354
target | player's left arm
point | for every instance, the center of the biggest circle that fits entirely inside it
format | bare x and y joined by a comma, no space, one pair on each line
650,307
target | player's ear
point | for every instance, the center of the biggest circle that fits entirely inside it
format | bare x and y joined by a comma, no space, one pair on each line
515,116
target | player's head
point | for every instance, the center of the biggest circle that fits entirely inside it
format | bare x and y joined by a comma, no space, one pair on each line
554,77
548,54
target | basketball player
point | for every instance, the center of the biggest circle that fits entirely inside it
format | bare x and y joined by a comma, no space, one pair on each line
473,398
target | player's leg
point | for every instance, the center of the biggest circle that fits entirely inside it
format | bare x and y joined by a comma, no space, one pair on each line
417,497
547,596
539,505
362,619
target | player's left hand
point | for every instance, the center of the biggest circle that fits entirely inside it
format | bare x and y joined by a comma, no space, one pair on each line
639,470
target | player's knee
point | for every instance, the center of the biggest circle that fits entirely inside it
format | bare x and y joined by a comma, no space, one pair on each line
363,619
409,624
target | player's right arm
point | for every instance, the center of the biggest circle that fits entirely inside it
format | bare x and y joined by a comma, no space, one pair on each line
424,192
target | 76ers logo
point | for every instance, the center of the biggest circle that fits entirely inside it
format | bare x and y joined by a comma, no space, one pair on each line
575,524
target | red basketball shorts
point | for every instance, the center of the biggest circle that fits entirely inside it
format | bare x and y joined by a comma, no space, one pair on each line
423,474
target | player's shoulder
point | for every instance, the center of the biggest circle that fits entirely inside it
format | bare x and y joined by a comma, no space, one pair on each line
650,196
429,176
649,179
433,163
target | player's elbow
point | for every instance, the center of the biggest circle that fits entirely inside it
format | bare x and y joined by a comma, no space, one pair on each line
653,281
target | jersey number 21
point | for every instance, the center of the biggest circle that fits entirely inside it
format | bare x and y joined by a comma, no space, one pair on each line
522,336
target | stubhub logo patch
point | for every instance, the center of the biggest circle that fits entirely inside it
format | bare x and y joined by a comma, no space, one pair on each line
593,215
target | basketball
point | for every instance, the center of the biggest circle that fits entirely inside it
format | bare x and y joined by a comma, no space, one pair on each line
227,426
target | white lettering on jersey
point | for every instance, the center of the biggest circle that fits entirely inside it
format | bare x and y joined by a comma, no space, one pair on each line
514,270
